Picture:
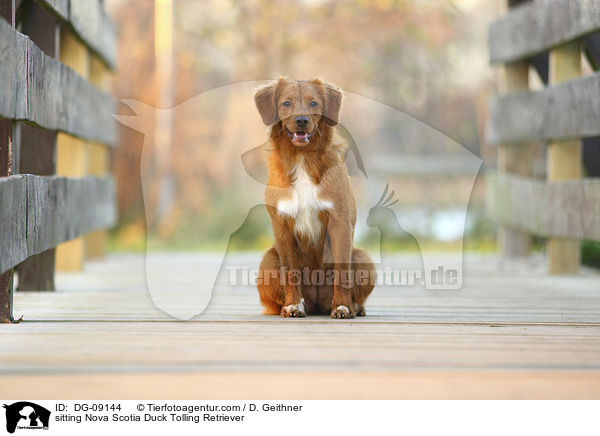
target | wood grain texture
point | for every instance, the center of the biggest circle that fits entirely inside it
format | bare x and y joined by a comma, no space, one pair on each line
311,385
36,273
13,221
60,209
98,159
44,91
72,152
37,155
6,297
36,147
534,27
511,319
13,55
564,158
45,211
6,168
71,161
565,209
515,159
92,24
564,111
88,20
7,147
37,151
494,291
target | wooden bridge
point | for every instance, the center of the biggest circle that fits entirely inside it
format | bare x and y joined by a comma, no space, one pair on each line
55,136
552,41
523,325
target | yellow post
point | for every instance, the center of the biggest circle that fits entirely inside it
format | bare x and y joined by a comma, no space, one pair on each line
98,158
514,159
71,153
164,76
564,159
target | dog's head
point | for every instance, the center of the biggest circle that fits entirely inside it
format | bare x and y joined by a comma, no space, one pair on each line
300,105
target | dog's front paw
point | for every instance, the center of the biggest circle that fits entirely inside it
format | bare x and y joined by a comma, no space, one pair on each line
342,312
359,309
294,310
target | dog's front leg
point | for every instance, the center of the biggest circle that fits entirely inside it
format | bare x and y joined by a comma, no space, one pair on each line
285,243
340,236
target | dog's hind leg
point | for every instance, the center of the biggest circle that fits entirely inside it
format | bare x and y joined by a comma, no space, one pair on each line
365,277
270,288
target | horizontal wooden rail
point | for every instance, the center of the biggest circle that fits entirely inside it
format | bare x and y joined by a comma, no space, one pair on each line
538,26
60,8
564,111
40,89
88,20
566,209
40,212
420,165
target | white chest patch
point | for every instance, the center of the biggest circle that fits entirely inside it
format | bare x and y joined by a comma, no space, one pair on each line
304,204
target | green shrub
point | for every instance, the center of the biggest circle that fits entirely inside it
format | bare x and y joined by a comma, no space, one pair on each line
590,253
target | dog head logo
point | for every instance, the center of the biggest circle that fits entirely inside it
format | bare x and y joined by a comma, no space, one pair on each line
385,147
26,415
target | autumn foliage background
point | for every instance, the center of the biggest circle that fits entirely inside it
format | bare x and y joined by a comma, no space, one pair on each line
426,58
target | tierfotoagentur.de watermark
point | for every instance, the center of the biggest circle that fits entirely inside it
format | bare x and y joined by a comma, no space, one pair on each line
387,276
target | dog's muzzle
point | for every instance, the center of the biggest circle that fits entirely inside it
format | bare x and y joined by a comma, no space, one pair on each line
299,136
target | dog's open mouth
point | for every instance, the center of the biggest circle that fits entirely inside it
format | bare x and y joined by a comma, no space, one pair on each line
300,137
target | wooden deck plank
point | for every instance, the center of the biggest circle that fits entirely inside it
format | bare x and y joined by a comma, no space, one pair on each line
116,290
310,385
517,335
295,346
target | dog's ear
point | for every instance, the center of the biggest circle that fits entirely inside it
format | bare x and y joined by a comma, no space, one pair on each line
333,104
264,97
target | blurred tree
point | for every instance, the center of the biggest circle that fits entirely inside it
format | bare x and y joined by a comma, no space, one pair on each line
424,57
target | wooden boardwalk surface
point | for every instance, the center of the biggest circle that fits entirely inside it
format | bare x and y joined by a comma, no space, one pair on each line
511,332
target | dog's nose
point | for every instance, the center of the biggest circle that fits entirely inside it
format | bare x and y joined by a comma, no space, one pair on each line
301,121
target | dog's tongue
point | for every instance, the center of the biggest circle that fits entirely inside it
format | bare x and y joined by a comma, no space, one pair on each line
300,137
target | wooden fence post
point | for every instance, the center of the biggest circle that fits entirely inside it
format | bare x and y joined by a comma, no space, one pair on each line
7,12
98,158
37,155
514,159
37,148
71,159
6,287
564,158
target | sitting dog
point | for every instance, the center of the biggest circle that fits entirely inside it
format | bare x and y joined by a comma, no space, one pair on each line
313,267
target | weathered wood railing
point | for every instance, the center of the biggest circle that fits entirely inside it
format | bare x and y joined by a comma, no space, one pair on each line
564,208
56,130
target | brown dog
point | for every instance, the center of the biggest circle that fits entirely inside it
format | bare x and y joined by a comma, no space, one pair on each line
312,268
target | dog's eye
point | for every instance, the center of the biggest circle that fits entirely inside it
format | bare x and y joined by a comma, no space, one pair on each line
314,103
286,104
